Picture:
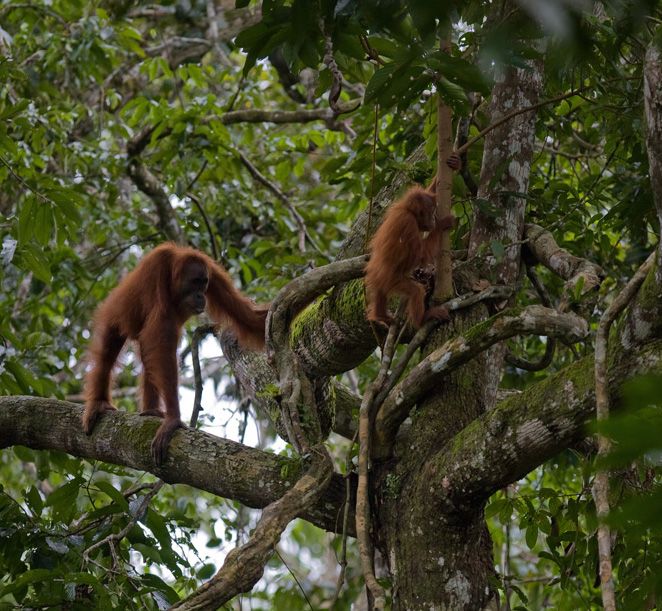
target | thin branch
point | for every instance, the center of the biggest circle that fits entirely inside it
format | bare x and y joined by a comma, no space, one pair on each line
345,522
244,566
138,515
25,184
152,187
443,285
495,292
34,7
212,236
198,335
363,511
601,484
518,111
263,180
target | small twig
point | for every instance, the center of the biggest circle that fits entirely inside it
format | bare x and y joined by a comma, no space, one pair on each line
370,52
345,523
35,7
518,111
296,580
152,187
601,484
25,184
198,335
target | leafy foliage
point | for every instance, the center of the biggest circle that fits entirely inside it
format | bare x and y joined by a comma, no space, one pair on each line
79,81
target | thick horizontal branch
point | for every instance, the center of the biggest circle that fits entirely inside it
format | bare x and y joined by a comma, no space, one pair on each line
302,290
220,466
256,115
536,320
526,429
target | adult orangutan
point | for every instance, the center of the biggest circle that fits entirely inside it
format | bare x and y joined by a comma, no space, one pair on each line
407,238
150,305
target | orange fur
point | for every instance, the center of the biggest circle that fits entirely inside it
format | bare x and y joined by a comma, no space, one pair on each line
150,305
397,248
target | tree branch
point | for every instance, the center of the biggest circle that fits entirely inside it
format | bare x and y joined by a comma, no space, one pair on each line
601,483
244,565
543,248
527,429
257,115
220,466
461,349
150,186
304,234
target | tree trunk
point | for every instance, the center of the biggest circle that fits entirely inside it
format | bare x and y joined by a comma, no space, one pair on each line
440,556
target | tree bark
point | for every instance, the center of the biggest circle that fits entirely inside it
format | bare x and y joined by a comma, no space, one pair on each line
220,466
438,559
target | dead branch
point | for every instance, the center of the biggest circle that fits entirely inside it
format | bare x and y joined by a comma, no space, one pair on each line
304,234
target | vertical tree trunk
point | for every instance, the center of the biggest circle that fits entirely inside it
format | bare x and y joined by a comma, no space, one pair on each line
510,143
441,557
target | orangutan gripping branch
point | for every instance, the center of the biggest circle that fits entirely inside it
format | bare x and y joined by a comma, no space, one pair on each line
151,305
407,238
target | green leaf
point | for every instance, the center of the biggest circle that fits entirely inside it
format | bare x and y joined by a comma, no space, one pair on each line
33,576
34,500
63,499
26,220
11,111
22,376
496,507
35,260
532,535
43,223
113,493
156,583
206,572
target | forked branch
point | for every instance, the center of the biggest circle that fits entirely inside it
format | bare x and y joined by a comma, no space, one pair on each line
455,352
